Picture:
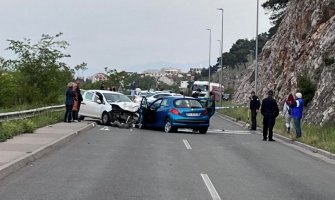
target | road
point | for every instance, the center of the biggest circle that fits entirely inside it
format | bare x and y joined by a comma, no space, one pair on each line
122,164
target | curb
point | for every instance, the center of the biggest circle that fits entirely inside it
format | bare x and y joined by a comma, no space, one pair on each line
286,139
13,166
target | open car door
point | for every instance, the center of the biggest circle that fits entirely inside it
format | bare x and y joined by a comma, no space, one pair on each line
209,104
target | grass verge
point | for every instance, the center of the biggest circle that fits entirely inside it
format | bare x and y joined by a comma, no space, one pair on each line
322,137
9,129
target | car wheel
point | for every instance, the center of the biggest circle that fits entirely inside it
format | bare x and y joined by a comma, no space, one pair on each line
203,130
81,117
168,127
105,119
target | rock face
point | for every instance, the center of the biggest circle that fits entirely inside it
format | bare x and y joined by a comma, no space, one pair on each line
303,44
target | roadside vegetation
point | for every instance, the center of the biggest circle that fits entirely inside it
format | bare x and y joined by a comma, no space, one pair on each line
9,129
322,137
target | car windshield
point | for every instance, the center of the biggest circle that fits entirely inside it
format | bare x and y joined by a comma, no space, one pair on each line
114,97
187,103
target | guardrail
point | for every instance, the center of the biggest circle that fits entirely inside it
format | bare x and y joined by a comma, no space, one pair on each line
29,113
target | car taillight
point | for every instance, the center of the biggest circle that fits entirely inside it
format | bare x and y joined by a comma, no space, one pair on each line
205,112
174,111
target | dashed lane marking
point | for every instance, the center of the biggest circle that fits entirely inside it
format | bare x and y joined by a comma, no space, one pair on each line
188,146
237,132
210,187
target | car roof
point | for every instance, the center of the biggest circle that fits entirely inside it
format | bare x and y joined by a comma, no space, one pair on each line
103,91
178,97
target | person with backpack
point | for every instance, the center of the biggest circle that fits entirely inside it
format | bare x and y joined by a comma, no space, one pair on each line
287,112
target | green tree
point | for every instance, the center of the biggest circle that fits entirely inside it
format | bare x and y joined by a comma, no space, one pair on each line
277,9
81,67
38,72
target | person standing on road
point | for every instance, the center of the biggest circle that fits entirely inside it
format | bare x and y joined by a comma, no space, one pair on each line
297,109
75,103
69,103
270,111
132,93
196,93
79,97
102,86
287,112
211,102
254,107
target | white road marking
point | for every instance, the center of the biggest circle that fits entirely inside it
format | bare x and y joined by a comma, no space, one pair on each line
104,128
188,146
238,132
210,187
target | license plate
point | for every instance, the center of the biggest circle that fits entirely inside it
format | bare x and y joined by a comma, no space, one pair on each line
192,114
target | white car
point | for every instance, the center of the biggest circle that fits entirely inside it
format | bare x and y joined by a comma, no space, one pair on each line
159,95
108,106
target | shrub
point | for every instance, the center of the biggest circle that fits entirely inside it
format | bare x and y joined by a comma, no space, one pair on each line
306,87
29,126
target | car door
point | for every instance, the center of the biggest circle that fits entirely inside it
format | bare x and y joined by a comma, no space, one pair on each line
150,117
98,105
84,108
89,106
161,112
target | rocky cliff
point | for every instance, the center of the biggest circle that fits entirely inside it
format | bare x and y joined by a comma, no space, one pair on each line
303,45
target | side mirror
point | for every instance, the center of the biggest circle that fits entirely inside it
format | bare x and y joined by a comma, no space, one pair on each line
98,101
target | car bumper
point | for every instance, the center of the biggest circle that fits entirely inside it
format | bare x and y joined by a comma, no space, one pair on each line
190,122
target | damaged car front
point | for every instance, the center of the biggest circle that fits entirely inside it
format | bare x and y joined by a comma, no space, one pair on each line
124,112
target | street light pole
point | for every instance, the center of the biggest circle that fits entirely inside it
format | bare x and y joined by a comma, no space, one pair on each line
209,59
221,55
256,50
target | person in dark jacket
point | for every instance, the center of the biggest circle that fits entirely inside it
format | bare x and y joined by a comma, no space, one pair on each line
270,111
254,107
79,99
196,93
296,113
211,106
69,103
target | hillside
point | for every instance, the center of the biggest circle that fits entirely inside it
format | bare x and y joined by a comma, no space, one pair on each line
304,45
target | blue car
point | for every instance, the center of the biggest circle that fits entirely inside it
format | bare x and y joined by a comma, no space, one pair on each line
174,112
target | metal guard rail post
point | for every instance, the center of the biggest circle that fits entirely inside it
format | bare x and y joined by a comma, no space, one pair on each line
28,113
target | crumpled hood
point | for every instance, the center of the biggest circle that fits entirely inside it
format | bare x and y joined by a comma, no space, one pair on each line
129,106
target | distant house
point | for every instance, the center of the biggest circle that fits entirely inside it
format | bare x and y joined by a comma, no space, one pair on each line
196,70
170,71
98,77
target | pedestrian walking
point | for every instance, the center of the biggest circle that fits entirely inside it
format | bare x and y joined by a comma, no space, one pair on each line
297,109
270,111
287,112
69,103
254,108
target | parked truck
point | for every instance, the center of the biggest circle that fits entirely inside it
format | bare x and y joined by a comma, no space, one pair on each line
206,87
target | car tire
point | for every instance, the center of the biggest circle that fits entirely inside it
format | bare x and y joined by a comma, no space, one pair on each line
168,127
81,117
203,130
105,120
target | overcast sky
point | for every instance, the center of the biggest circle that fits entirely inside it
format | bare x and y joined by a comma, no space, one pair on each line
132,35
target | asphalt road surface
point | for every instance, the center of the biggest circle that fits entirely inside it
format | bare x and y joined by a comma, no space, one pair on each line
121,164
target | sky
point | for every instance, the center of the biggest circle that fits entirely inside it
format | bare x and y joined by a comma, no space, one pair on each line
133,35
